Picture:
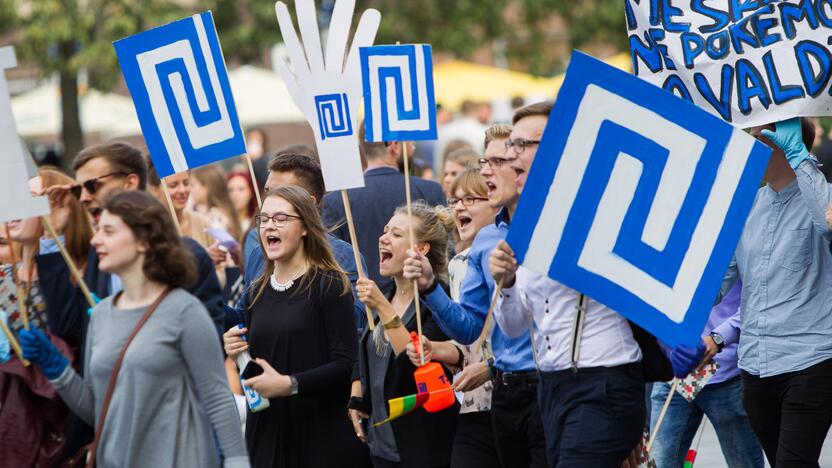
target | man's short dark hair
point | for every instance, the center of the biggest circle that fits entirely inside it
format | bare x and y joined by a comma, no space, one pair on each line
307,171
370,151
300,148
122,157
539,108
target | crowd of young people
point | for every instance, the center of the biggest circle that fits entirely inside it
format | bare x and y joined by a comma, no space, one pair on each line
558,379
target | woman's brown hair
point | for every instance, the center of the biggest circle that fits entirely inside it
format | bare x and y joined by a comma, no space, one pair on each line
212,179
433,225
316,248
166,261
470,181
78,232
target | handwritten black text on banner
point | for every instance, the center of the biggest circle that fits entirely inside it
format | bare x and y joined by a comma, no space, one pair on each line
749,61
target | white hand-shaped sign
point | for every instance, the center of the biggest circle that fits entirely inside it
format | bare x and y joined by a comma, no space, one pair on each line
328,92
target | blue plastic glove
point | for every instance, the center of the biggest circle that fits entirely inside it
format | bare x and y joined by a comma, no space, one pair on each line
684,359
95,299
789,137
38,349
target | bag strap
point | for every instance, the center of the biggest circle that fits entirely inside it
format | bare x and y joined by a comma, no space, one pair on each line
112,384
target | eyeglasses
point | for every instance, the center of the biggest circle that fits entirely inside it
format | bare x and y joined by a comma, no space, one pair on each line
467,200
279,219
92,185
519,145
494,162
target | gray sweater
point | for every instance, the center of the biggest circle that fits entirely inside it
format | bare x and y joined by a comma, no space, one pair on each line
170,393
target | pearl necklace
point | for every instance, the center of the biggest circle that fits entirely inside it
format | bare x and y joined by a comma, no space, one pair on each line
278,286
282,287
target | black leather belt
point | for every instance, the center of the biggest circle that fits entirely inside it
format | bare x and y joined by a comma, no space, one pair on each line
516,378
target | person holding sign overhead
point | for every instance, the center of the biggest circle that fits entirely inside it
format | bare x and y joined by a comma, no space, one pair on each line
518,430
589,359
152,380
783,259
384,371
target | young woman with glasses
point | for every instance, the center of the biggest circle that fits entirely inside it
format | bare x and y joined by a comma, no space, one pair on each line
301,330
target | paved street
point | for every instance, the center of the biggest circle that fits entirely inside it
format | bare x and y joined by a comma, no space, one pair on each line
710,454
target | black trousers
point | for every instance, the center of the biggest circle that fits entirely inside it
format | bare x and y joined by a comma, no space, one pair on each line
790,413
518,429
593,417
474,442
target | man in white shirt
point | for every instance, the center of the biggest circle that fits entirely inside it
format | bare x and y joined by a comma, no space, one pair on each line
591,390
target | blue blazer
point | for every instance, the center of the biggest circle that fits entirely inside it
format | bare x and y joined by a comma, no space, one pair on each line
372,207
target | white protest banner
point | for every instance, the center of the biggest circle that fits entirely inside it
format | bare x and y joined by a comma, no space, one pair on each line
17,202
328,92
751,62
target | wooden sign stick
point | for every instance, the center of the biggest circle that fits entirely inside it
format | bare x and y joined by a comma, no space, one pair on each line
416,301
21,301
71,264
170,206
655,431
254,178
356,255
481,339
14,343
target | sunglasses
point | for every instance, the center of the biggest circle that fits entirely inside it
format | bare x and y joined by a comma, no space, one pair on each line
92,185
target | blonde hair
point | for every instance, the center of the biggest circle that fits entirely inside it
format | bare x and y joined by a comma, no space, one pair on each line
470,181
315,244
497,132
434,226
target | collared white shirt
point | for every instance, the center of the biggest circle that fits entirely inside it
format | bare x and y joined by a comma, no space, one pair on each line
607,338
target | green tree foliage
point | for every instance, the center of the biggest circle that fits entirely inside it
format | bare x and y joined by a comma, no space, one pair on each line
459,27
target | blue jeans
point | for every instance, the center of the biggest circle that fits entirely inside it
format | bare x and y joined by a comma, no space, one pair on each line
722,403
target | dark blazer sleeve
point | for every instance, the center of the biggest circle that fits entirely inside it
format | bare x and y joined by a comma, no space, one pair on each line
66,307
332,213
207,287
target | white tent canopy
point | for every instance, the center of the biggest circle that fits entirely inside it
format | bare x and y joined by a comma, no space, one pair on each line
261,97
259,94
38,113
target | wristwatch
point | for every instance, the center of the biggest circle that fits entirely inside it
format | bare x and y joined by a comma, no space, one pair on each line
294,390
718,340
394,322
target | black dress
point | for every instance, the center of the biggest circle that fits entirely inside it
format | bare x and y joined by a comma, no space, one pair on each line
311,335
422,439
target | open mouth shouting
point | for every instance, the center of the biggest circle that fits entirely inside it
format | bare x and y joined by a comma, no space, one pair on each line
273,241
492,188
384,256
462,221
